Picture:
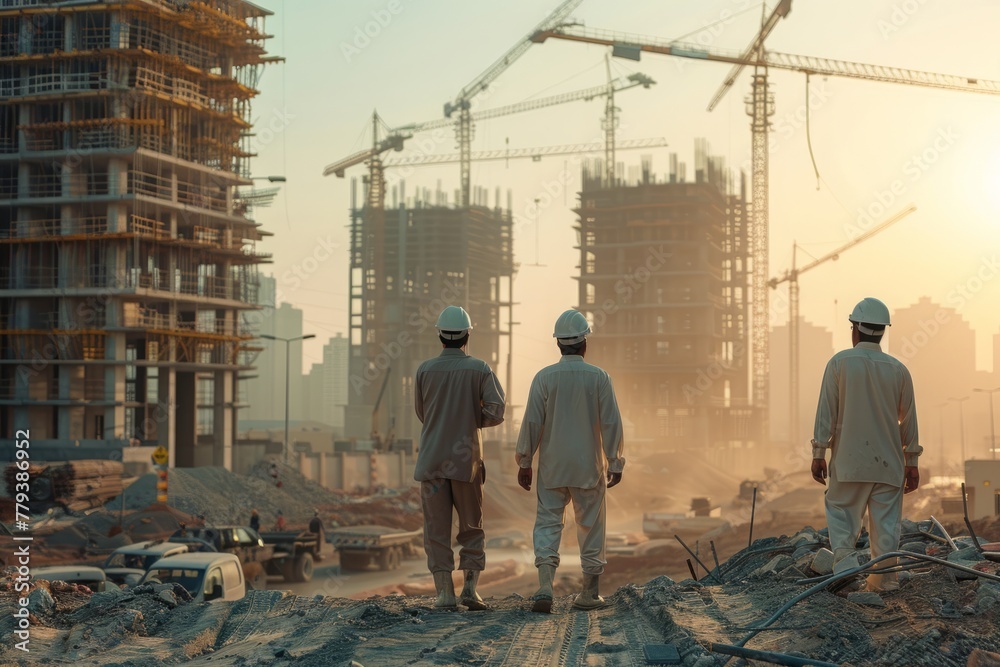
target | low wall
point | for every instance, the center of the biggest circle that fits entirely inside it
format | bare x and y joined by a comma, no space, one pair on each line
351,471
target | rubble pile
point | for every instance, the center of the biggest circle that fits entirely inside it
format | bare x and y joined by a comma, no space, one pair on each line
223,497
771,596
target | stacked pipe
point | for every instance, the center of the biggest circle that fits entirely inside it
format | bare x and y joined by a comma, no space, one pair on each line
77,485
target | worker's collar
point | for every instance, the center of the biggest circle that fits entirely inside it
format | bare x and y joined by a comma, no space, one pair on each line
454,352
570,358
867,345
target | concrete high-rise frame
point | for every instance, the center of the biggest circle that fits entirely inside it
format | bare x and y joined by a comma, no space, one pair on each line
664,278
127,250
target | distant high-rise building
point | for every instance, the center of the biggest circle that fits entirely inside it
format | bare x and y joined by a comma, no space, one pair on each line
336,361
407,263
265,390
938,346
128,250
816,346
664,280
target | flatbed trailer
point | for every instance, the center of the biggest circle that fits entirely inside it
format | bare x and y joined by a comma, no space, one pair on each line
294,554
362,546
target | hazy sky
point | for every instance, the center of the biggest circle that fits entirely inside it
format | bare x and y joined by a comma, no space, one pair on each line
939,149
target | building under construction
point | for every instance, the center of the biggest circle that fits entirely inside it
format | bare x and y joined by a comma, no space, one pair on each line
664,271
128,252
409,261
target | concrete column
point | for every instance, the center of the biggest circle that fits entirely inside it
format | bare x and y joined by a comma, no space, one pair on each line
186,424
222,423
165,412
322,472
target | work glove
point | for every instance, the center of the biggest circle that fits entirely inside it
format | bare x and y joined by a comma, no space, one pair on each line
911,478
614,478
524,478
819,471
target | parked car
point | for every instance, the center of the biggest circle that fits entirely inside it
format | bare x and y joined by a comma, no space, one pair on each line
206,576
245,543
93,578
128,563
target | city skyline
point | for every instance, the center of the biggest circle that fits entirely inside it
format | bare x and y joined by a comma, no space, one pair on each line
877,146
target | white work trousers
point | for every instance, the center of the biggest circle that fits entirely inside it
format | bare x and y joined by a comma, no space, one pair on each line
846,503
591,524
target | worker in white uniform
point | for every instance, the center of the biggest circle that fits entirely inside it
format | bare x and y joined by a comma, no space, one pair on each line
867,418
455,395
572,421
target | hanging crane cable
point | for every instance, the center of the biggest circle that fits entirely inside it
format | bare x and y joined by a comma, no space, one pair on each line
809,134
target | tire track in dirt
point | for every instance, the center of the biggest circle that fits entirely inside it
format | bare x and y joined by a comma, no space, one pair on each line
247,615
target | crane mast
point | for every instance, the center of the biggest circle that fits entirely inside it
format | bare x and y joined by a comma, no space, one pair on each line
792,278
760,106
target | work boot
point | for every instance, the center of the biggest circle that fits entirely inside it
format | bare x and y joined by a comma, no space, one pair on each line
543,596
589,598
470,598
445,589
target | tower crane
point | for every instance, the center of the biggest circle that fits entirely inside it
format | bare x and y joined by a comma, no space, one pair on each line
463,101
536,154
760,106
792,278
397,136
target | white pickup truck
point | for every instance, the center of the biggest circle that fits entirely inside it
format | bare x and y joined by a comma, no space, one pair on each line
206,576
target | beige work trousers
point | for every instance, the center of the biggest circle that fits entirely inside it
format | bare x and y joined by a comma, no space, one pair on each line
438,497
846,503
591,524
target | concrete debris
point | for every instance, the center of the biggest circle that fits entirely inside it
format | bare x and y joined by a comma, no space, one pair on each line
822,562
932,619
867,598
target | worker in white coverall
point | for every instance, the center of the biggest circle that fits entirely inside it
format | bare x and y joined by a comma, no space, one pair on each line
867,418
455,396
572,421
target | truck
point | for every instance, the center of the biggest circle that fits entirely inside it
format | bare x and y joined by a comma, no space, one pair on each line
206,576
294,554
361,546
244,543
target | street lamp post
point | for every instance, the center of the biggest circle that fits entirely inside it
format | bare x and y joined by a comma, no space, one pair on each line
269,179
287,341
993,440
961,423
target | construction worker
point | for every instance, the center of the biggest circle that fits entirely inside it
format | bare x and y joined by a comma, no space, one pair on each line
255,520
572,418
279,523
867,418
455,395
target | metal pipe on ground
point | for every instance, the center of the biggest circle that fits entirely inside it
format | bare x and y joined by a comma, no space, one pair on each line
698,560
968,524
767,656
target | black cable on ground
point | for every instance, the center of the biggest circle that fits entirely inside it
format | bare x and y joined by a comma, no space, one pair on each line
854,572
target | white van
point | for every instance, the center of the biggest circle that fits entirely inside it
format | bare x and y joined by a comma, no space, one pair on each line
91,577
206,576
129,563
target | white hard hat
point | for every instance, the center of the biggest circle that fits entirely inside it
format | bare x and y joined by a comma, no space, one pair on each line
872,312
571,328
453,323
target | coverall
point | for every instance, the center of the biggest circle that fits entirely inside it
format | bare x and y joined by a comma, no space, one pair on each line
867,416
572,418
455,395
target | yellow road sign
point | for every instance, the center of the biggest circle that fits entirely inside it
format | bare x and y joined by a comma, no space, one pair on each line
160,455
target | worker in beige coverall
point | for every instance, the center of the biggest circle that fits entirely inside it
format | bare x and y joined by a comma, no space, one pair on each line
867,417
455,395
572,421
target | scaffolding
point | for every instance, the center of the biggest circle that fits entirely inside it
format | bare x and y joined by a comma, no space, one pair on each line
129,250
664,279
433,255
